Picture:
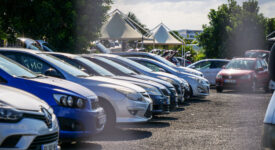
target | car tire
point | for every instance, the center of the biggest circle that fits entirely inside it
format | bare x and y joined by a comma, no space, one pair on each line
219,89
110,114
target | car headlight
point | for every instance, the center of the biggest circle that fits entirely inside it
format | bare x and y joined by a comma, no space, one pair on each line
248,76
151,90
9,114
197,79
69,101
219,76
130,94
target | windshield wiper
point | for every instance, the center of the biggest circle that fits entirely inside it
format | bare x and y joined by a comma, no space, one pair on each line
26,77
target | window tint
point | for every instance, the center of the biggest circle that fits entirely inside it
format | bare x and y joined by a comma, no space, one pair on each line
203,65
217,64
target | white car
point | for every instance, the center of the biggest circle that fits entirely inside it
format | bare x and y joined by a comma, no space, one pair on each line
26,122
210,68
269,125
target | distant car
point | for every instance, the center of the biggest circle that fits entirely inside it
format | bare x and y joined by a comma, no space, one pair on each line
210,68
162,60
68,102
199,86
26,122
244,73
181,61
28,44
258,54
45,46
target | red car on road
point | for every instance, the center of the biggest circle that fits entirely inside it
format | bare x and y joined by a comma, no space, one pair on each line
243,73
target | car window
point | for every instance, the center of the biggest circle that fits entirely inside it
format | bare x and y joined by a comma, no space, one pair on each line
264,63
203,65
258,64
217,64
151,66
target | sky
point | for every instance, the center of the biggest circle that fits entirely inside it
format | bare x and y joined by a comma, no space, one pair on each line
179,14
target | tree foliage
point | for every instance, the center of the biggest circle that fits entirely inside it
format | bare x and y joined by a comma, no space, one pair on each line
68,25
233,29
134,20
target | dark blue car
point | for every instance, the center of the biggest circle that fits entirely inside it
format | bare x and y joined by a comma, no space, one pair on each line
75,106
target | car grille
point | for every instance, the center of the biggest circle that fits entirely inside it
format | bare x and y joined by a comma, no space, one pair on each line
165,92
148,112
177,87
232,77
44,139
38,117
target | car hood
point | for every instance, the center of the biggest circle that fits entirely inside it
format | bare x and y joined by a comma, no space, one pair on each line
168,75
108,80
54,83
144,77
140,81
189,70
234,72
20,99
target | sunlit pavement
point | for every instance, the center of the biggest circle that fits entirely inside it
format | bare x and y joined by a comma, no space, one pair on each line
228,120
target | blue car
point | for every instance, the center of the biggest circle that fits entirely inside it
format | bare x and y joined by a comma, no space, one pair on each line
75,106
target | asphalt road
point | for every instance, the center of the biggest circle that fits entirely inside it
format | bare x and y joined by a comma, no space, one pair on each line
229,120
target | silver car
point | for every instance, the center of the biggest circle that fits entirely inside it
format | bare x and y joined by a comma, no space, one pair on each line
26,122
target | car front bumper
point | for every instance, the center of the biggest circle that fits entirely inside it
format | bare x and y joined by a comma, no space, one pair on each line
28,131
201,90
135,111
77,124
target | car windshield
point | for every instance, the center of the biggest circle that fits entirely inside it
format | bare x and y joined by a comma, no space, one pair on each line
15,69
48,47
64,66
241,64
116,65
133,63
95,67
165,61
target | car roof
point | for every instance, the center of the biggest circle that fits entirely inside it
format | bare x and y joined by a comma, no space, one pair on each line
20,50
258,50
63,54
245,58
214,60
139,53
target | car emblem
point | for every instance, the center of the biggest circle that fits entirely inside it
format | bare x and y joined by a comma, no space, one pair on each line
48,117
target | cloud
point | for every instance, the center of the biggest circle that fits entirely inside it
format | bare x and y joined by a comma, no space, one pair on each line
179,14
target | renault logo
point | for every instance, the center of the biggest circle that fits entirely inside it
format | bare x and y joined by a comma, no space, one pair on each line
48,117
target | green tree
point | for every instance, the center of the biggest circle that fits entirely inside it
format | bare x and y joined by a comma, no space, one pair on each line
233,29
67,25
134,20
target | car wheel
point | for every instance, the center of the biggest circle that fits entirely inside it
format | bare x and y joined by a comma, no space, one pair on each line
219,89
110,114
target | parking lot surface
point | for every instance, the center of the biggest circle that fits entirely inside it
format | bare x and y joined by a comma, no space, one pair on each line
228,120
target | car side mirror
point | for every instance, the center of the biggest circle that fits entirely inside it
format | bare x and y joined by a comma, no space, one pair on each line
84,70
193,67
223,67
53,73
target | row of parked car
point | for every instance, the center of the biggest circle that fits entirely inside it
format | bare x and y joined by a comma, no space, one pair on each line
48,98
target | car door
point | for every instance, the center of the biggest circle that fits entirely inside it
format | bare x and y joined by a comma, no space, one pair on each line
265,73
260,74
204,67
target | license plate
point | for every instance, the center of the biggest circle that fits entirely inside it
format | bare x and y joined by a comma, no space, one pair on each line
50,146
230,81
